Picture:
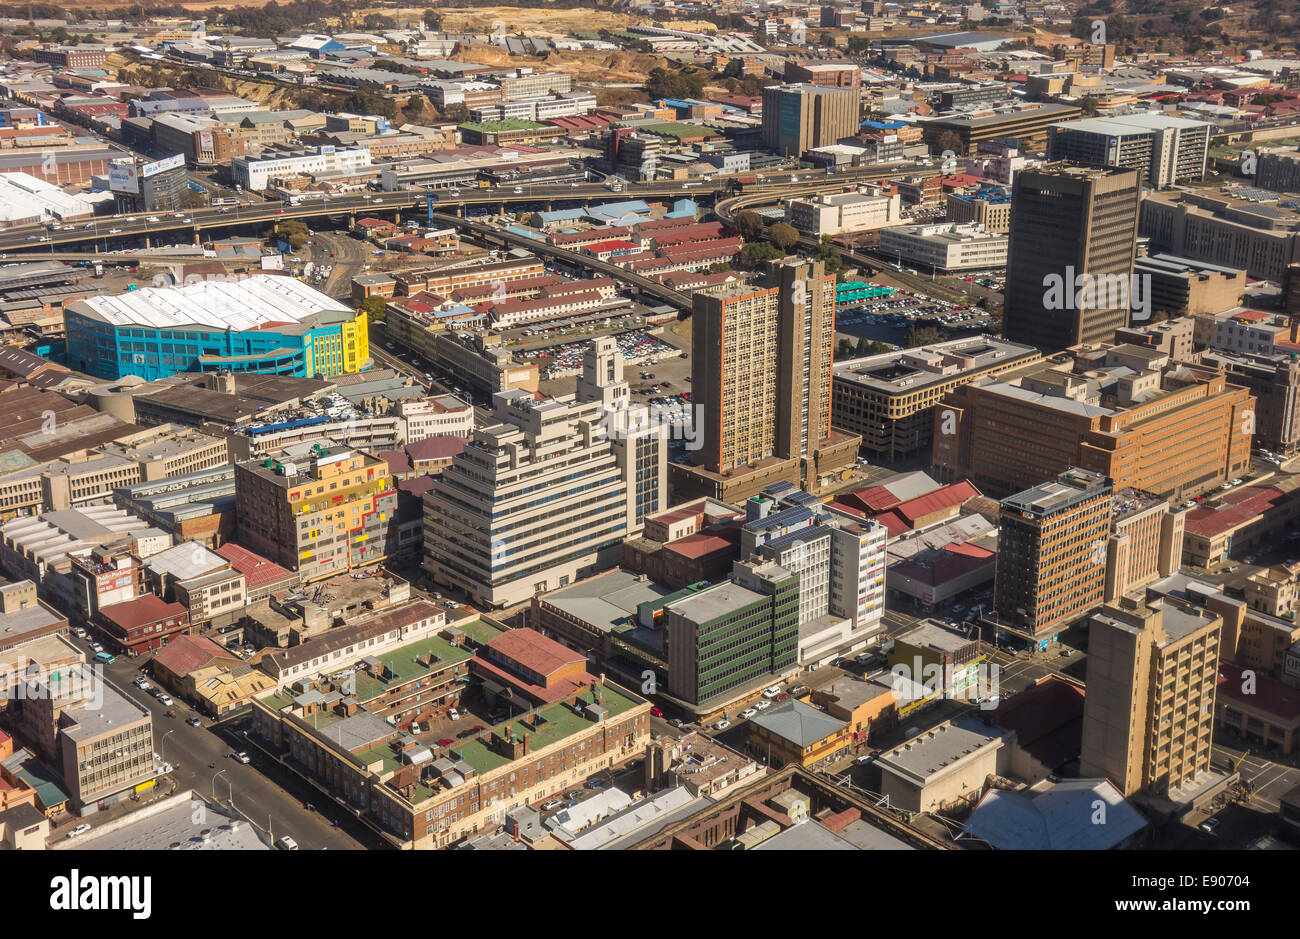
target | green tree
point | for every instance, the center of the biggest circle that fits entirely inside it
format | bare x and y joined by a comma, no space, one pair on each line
754,255
922,335
749,225
828,255
374,307
783,235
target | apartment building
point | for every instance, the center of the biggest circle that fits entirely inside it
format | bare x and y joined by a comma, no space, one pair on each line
1274,381
1240,228
888,399
945,246
988,207
1176,430
546,493
1145,543
799,117
1163,149
839,213
316,509
1070,228
1148,716
757,430
1051,566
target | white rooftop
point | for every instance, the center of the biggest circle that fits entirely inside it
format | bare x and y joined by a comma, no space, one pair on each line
259,300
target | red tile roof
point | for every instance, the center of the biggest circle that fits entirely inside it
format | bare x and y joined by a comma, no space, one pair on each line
534,651
256,569
185,653
149,608
1237,507
949,497
700,544
438,447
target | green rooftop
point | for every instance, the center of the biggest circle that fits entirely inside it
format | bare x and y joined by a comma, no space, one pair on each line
678,130
478,630
496,127
405,667
561,722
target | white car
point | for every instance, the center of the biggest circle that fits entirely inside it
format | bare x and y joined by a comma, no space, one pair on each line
286,843
772,692
79,830
722,725
115,231
553,804
762,705
747,714
165,700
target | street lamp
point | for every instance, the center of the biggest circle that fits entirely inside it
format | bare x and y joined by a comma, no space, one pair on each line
162,746
230,790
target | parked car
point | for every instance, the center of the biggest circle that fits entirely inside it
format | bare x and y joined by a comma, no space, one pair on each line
762,705
445,742
107,658
553,804
657,711
78,632
1209,825
772,692
747,714
165,700
79,830
595,783
241,757
722,725
193,721
285,843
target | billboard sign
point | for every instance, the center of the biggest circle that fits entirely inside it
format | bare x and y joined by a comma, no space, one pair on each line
124,176
161,166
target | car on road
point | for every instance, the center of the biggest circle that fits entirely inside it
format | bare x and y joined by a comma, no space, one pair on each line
1209,825
193,721
675,721
142,683
657,711
165,700
78,632
747,714
595,783
762,705
107,658
285,843
111,231
241,757
772,692
722,725
79,830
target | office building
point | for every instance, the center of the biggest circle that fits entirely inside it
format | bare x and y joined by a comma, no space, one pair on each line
838,213
1163,149
762,383
97,737
262,323
1278,171
944,246
1051,568
1185,287
256,171
1153,668
728,638
1240,227
838,557
148,185
888,399
317,510
548,490
1027,126
1071,229
1173,429
989,207
1273,379
799,117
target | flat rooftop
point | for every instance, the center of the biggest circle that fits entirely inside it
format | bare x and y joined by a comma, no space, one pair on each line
607,600
1065,491
715,601
930,753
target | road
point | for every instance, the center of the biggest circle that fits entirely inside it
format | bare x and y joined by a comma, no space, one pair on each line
202,761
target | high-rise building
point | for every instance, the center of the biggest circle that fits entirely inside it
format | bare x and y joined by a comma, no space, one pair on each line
547,492
1163,149
1051,567
762,385
1148,717
1070,260
317,509
799,117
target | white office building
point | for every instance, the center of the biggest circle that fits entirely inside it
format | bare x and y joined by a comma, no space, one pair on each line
546,493
946,246
255,172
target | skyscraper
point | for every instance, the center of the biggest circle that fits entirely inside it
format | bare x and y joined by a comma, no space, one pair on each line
762,385
1070,260
1148,717
798,117
546,494
1051,567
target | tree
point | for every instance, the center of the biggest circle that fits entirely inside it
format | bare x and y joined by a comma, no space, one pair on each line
432,20
374,307
872,346
1088,104
826,253
749,225
922,335
783,235
735,69
755,255
950,140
